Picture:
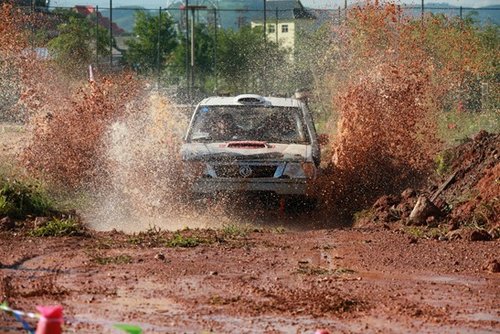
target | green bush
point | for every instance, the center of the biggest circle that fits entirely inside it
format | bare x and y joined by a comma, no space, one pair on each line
179,240
59,228
443,162
21,199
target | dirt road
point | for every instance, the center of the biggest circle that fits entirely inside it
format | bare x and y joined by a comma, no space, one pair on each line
263,281
252,278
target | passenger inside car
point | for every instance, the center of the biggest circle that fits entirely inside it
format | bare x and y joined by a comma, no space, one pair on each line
224,128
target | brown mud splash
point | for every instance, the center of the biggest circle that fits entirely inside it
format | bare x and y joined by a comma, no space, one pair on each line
391,81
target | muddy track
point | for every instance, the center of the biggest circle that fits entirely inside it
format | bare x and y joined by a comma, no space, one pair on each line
347,280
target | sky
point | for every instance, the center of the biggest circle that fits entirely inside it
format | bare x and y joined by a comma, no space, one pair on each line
307,3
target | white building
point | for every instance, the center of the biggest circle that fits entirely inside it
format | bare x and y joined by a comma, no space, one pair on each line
285,18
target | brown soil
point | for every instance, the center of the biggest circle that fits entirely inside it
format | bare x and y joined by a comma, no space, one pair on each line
384,277
466,194
352,280
345,280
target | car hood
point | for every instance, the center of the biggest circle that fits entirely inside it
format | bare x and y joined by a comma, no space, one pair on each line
223,151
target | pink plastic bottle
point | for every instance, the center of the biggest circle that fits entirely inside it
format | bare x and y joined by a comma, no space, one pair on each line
51,320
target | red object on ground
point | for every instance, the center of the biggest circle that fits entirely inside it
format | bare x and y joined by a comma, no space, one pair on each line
282,206
322,331
51,320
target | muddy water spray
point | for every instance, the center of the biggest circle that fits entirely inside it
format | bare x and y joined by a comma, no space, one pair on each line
390,81
146,187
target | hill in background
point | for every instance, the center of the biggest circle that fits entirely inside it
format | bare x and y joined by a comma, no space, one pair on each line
236,13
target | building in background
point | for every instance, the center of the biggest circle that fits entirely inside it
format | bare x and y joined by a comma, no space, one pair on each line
284,20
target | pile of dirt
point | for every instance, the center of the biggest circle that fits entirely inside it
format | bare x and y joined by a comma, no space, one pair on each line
463,194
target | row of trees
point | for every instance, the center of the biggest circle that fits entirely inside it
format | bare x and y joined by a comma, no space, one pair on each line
225,60
230,61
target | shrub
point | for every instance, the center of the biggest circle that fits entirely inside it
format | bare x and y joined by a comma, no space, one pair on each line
20,199
179,240
59,228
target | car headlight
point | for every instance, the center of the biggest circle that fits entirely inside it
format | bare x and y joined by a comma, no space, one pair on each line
302,170
309,169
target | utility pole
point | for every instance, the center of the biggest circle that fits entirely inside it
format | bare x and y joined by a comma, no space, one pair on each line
277,23
265,20
192,46
188,76
96,35
264,77
111,33
215,51
193,8
423,11
158,54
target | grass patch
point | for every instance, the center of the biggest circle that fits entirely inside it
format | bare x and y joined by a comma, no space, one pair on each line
21,199
343,271
415,231
279,230
179,240
319,271
454,127
119,259
443,162
152,237
426,232
235,231
486,214
59,228
312,270
363,215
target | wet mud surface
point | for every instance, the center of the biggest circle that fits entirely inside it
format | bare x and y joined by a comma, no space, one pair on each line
261,281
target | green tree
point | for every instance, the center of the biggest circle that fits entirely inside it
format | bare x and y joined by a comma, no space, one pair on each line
76,43
247,64
142,53
203,55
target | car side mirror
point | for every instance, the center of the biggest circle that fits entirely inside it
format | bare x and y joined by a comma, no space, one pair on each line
323,139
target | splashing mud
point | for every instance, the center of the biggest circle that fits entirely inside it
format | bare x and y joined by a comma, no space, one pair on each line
145,186
391,79
117,142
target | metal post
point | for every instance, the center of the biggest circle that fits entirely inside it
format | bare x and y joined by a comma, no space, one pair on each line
277,22
192,46
264,76
158,55
215,52
187,50
96,35
461,13
111,33
423,11
265,20
32,28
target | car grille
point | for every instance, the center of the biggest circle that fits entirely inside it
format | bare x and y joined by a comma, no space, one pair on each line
242,171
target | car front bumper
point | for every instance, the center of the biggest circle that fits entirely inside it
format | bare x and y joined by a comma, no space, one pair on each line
278,186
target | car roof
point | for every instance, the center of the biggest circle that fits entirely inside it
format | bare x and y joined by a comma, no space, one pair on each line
268,101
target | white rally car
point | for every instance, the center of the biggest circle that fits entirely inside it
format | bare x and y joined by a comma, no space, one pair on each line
250,143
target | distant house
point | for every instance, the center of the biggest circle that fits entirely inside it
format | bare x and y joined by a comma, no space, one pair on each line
102,20
285,18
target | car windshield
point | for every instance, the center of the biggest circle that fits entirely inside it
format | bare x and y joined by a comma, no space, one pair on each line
249,123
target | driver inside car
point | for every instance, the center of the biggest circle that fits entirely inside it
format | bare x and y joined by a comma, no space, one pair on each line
225,128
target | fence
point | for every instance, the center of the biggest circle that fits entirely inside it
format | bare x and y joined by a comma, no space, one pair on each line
199,50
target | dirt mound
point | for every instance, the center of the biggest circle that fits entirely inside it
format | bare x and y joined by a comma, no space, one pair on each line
464,193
